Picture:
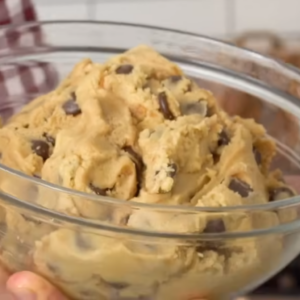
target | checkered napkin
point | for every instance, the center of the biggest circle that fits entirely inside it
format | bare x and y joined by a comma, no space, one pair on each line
21,82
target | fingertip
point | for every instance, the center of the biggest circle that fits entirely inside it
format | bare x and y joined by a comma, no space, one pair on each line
23,279
29,282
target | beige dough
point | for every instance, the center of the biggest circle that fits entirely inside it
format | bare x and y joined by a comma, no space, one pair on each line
136,129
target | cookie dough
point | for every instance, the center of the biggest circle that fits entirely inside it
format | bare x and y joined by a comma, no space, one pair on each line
137,129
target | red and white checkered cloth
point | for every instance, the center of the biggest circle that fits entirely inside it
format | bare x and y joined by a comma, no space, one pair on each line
21,82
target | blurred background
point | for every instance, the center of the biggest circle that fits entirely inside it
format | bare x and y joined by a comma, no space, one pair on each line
220,18
269,26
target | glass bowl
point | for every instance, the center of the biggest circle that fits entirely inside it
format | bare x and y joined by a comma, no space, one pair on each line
100,254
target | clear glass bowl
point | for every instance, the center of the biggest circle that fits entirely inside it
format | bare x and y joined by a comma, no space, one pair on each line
95,256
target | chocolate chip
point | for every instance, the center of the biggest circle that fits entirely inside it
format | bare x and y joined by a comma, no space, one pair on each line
26,126
118,285
189,87
175,78
53,268
146,86
98,191
257,156
164,107
136,159
216,157
209,246
124,69
71,108
139,165
227,252
49,138
223,139
172,172
280,193
124,220
194,108
210,111
218,247
215,226
240,187
0,155
40,148
82,242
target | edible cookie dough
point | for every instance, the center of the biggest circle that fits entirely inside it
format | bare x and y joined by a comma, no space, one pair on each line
137,129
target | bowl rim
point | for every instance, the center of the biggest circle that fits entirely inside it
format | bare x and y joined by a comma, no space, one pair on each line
270,206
